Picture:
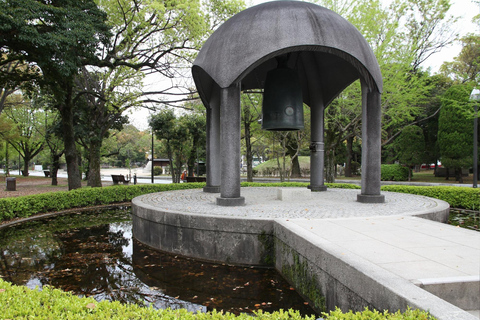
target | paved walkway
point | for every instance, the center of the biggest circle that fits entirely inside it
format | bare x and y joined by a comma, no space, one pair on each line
426,253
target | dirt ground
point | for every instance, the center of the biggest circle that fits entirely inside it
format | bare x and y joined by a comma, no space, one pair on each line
33,185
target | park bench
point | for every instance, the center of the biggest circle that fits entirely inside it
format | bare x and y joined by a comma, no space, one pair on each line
116,178
46,173
196,179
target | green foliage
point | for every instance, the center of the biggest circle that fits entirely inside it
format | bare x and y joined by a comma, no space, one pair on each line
410,146
457,197
455,130
410,314
297,184
22,303
157,171
394,172
22,207
57,37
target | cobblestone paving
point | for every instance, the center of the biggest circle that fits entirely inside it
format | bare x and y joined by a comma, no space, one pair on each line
263,203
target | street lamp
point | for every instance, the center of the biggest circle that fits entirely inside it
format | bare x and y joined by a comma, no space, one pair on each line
475,96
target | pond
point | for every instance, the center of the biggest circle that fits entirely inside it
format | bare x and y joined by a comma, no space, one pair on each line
92,253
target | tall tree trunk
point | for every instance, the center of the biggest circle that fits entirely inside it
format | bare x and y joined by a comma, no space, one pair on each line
55,167
330,165
348,163
26,161
191,160
71,156
94,177
458,173
7,160
172,167
248,145
246,117
292,151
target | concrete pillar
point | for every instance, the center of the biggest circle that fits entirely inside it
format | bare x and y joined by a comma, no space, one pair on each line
230,147
213,145
317,111
371,146
317,149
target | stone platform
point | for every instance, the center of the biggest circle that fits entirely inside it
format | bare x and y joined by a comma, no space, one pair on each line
377,255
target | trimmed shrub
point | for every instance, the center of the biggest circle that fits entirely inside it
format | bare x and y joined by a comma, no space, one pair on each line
22,207
157,171
297,184
394,172
22,303
457,197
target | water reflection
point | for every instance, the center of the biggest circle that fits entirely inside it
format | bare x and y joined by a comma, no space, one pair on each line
93,254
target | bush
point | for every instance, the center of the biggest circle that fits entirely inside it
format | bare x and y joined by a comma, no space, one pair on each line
457,197
394,172
22,303
375,315
22,207
157,171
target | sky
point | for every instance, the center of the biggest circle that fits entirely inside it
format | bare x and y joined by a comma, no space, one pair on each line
465,9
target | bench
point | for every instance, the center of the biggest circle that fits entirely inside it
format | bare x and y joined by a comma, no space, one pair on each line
196,179
116,178
46,173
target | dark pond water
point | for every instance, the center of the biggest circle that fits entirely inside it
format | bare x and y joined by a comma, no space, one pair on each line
92,253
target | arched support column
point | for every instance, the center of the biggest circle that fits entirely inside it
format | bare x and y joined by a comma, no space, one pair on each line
371,146
213,145
317,149
317,113
230,146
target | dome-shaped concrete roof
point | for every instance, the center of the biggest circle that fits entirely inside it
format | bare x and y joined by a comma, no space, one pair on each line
328,52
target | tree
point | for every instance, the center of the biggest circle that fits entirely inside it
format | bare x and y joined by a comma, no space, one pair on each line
102,100
58,37
410,147
250,117
29,123
455,129
402,36
197,128
466,66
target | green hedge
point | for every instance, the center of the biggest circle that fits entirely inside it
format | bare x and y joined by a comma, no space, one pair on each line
394,172
22,207
457,197
298,184
19,302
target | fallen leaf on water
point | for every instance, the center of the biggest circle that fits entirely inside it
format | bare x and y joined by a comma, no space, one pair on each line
257,305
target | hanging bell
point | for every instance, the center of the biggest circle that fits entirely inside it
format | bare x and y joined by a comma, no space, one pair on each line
282,101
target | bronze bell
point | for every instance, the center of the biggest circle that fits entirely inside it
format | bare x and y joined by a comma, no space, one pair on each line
282,101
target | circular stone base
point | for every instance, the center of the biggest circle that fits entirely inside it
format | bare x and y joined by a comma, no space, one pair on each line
214,189
190,223
317,188
365,198
230,202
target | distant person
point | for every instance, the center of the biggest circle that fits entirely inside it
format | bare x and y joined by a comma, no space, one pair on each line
183,177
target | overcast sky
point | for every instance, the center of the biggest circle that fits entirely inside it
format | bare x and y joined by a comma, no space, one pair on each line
465,9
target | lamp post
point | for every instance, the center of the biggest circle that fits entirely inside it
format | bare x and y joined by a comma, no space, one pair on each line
475,96
152,174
